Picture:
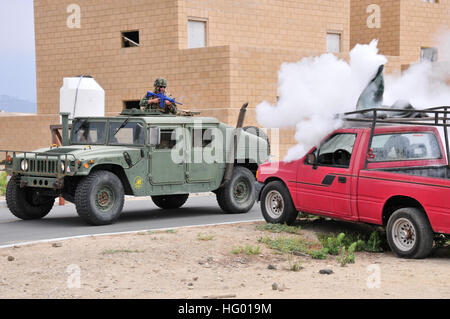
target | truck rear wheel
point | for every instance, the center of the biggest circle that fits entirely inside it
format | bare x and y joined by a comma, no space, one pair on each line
99,198
409,233
170,201
276,204
26,203
238,195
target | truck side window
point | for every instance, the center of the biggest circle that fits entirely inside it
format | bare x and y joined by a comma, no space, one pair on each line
406,146
337,150
168,140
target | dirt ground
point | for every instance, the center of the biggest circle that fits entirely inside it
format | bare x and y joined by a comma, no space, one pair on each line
199,263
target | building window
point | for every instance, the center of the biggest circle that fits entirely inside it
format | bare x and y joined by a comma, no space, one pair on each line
428,54
130,39
333,42
432,1
131,104
197,33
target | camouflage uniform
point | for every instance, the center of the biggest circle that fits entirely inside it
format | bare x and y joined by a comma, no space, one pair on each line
157,106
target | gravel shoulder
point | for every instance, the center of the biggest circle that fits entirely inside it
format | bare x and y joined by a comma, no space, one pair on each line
198,263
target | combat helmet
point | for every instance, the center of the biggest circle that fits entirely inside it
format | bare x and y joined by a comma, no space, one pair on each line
159,82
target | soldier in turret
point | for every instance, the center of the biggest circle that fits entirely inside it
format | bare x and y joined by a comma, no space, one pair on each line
154,103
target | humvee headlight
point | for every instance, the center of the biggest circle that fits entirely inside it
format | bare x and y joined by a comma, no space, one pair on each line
24,165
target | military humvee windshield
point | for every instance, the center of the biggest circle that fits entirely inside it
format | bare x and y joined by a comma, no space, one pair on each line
132,133
88,132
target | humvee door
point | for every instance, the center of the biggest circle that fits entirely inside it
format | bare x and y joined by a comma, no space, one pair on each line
165,168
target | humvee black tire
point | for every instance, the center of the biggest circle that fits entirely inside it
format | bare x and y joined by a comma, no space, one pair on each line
258,132
276,204
409,233
238,195
170,201
99,198
25,203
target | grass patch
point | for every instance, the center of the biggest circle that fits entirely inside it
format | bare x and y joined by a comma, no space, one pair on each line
118,251
364,242
279,228
171,231
347,256
205,237
146,233
3,182
294,265
248,250
283,245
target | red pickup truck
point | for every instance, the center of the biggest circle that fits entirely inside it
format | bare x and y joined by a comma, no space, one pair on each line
396,176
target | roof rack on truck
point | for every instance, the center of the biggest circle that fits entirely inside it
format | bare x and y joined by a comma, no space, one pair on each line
434,116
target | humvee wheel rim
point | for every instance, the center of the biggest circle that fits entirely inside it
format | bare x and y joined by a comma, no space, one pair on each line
274,204
404,234
241,191
105,199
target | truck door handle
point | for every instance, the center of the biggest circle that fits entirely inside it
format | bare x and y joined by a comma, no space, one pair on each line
342,179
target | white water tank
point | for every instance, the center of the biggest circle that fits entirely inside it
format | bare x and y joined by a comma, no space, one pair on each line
82,96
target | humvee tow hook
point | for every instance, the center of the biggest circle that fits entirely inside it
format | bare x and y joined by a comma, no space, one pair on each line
231,155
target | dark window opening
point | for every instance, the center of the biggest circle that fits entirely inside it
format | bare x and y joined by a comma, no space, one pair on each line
429,54
130,39
168,140
132,104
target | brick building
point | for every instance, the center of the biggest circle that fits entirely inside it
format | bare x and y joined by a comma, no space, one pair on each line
215,54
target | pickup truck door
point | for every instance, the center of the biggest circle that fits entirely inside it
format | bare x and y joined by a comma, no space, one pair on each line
325,188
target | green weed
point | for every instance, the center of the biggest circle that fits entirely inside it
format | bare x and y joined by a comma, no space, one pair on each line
248,250
3,182
347,256
279,228
204,237
117,251
284,245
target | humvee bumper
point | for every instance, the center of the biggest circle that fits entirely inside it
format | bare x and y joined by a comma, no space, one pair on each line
41,182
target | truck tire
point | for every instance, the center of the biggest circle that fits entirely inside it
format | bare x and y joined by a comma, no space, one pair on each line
238,195
409,233
99,198
26,203
276,204
258,132
170,201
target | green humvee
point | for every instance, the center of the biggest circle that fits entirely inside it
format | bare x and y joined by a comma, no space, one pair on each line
139,153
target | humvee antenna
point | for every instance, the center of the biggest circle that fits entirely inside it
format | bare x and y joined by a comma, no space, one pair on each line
76,95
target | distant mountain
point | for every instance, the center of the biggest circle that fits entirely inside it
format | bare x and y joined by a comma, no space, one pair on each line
13,104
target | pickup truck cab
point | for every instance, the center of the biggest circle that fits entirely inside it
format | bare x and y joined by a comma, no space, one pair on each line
392,176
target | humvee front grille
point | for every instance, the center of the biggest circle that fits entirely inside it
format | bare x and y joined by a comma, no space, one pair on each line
43,166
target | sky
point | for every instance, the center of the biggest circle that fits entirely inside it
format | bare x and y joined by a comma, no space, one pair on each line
17,49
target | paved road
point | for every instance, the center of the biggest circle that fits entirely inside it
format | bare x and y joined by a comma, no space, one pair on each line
137,215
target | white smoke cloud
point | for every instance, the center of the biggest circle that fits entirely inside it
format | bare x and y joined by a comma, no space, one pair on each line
314,89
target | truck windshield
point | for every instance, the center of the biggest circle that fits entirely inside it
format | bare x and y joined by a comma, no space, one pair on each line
407,146
88,132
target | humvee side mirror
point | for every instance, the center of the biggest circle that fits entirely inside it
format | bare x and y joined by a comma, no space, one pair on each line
155,136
